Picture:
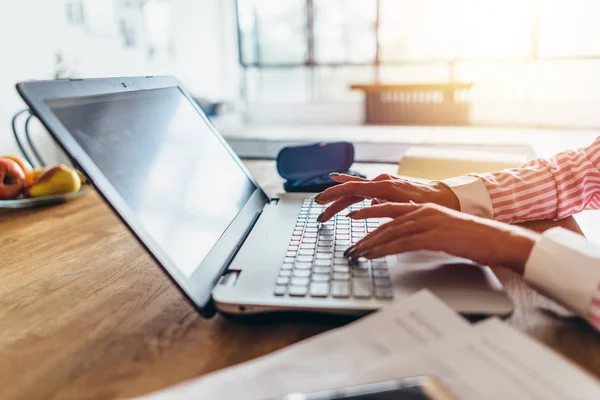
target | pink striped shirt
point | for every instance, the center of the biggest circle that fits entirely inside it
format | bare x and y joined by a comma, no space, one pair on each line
547,189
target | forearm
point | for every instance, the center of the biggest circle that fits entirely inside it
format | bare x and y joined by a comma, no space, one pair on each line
542,189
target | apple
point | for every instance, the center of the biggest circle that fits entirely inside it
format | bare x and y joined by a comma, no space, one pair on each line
12,179
25,166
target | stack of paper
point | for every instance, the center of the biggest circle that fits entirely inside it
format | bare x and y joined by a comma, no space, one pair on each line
416,336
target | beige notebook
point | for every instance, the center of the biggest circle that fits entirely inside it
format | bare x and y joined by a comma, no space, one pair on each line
439,163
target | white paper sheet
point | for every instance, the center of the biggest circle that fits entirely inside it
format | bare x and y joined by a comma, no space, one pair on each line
408,324
490,362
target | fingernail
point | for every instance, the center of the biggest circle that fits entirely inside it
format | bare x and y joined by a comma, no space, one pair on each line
354,253
350,214
334,174
317,197
349,250
320,217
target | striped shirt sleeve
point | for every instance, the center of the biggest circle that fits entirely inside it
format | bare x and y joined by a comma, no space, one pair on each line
546,189
566,267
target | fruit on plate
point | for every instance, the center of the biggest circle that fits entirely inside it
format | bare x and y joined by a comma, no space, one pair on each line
25,166
39,171
12,179
81,176
55,180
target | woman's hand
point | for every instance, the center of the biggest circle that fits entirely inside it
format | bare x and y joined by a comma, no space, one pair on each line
384,188
432,227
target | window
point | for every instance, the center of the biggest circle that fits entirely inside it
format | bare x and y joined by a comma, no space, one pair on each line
312,50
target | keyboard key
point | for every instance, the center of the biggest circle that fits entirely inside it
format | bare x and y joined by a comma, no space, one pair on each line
309,240
361,288
285,272
311,230
319,289
339,254
360,272
279,290
303,265
384,293
319,269
288,260
310,235
340,261
295,243
320,278
304,259
341,268
325,242
298,291
306,252
287,266
301,273
299,281
292,248
341,276
324,249
290,254
324,256
308,245
283,280
379,265
322,263
342,237
312,225
380,273
340,289
382,282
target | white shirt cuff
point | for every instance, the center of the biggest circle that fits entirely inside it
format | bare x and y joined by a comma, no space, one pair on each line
566,267
472,195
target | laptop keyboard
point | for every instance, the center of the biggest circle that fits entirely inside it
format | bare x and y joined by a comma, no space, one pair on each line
315,266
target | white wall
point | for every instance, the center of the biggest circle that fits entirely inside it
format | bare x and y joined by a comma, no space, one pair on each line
32,31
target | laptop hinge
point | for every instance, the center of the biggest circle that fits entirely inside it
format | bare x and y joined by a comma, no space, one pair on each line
240,243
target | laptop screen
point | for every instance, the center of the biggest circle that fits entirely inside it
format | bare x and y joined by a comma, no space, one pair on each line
171,170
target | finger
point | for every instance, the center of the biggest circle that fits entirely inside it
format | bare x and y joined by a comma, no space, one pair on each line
385,210
415,217
368,189
343,178
381,237
374,202
337,206
419,241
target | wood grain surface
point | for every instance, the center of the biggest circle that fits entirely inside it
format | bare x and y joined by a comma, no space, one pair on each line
86,314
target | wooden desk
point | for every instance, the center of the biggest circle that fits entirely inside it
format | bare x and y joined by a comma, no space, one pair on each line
85,313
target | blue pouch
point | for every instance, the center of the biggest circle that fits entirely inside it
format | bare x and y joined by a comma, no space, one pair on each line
307,168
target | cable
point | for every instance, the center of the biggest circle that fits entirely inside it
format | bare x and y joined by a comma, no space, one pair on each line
37,155
16,135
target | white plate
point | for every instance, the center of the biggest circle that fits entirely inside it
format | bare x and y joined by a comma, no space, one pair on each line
43,201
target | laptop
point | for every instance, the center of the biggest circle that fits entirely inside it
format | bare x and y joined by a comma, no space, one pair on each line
161,166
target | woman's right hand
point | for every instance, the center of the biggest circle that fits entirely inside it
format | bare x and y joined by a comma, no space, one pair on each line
382,189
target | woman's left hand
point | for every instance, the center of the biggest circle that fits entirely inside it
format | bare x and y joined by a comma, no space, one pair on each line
433,227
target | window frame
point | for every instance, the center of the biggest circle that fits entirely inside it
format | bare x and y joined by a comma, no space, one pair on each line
310,42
